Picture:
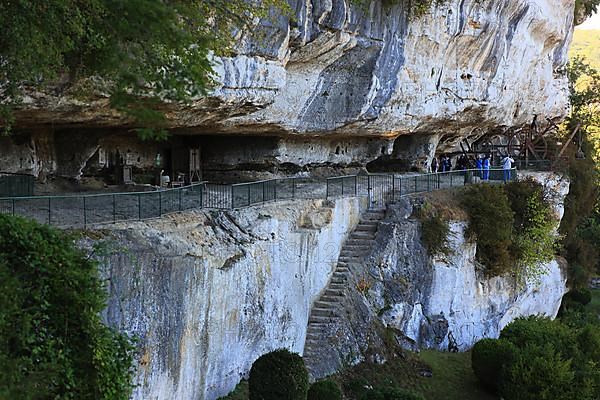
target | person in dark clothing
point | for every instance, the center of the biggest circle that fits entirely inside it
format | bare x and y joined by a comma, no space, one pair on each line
434,165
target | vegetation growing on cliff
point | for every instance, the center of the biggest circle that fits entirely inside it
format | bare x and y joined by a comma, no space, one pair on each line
53,344
514,227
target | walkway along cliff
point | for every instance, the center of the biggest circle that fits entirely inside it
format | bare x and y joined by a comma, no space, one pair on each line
207,292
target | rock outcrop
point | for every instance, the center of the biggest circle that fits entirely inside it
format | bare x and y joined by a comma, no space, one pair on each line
208,292
339,75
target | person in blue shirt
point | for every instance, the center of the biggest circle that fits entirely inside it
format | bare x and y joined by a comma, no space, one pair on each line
479,165
506,166
486,168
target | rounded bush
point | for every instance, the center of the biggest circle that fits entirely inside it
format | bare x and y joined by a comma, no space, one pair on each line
581,296
279,375
324,390
393,393
487,359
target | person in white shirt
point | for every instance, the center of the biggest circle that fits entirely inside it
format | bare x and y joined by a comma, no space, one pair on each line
506,166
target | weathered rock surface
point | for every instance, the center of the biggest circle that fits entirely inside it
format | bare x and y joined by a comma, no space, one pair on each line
431,303
208,293
341,69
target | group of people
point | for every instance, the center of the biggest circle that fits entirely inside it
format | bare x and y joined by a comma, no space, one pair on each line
482,163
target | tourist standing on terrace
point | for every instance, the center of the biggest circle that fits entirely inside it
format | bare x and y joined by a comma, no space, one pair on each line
486,168
506,166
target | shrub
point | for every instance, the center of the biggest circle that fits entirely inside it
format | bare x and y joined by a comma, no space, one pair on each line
534,241
324,390
514,227
538,373
391,393
279,375
540,331
582,296
434,234
487,360
491,222
52,341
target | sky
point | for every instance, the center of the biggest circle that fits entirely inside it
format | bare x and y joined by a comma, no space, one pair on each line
592,23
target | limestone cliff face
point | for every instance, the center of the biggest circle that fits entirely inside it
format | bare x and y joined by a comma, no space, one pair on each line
337,68
207,292
433,302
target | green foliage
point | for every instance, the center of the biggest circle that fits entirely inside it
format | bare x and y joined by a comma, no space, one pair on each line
581,296
534,241
586,8
514,227
434,231
324,390
548,360
279,375
52,341
487,359
540,373
148,50
392,393
491,221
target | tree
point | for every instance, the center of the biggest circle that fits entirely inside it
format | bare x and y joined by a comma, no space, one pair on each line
141,51
53,344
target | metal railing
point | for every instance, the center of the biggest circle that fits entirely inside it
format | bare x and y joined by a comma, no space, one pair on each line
384,188
16,184
81,211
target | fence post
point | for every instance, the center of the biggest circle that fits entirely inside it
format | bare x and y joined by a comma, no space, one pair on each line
114,198
415,183
49,211
13,207
450,173
326,188
428,183
393,187
275,191
84,214
400,191
160,203
248,196
180,205
263,185
139,196
342,179
355,185
293,188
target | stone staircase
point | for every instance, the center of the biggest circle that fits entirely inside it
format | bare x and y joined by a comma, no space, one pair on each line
326,310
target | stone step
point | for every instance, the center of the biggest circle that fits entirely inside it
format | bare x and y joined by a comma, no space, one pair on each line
366,228
358,241
338,281
325,304
366,236
331,298
316,319
323,312
337,274
336,286
334,293
358,245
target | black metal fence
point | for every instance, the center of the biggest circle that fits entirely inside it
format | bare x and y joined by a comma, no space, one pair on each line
16,185
80,211
384,188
